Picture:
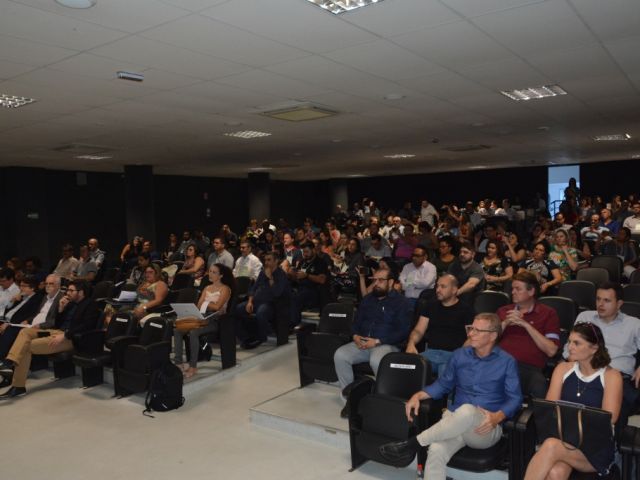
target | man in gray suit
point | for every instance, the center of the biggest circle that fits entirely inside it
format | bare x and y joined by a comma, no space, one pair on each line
46,316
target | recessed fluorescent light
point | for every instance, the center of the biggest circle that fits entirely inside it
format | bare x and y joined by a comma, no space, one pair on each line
11,101
340,6
534,93
260,169
247,134
636,156
77,3
617,137
477,167
93,157
356,175
400,155
135,77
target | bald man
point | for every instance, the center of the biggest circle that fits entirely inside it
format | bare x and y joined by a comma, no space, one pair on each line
443,322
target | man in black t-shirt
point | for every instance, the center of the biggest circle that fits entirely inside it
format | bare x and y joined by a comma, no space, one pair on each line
442,323
310,279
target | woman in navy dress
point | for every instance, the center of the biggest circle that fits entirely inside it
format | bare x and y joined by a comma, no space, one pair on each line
585,378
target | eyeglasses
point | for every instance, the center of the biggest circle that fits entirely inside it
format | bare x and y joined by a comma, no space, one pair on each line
471,329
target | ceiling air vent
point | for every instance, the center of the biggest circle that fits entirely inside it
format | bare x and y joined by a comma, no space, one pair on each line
298,112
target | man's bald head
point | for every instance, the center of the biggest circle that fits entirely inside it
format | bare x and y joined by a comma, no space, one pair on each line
447,289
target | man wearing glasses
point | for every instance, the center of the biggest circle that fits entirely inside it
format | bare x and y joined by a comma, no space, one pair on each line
418,275
382,322
77,313
487,391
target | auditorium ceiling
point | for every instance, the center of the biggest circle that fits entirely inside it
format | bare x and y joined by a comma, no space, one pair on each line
414,84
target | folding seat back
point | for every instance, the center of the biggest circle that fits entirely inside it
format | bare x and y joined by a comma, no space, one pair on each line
566,308
336,318
378,411
631,308
111,274
242,287
488,301
181,281
595,275
156,329
611,263
121,324
635,277
401,374
184,295
103,289
632,292
580,291
316,347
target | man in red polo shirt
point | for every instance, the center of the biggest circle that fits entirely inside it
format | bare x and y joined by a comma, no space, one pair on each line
531,333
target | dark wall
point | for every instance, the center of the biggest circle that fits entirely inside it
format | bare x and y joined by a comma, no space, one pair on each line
294,201
199,202
451,187
610,178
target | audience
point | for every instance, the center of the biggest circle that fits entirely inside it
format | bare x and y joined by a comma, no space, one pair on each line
21,310
86,268
77,313
418,275
220,253
151,292
247,264
67,264
497,268
9,289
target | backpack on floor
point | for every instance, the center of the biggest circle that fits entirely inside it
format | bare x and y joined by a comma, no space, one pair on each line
165,390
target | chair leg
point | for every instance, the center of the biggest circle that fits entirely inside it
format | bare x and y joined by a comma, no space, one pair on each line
64,369
92,376
228,342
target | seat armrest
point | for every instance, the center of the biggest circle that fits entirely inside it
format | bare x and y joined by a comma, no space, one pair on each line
90,342
358,391
305,328
158,353
523,420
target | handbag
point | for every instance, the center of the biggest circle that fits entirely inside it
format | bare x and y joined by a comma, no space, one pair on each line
187,324
575,425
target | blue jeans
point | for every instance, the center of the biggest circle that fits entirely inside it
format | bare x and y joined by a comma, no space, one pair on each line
256,328
438,359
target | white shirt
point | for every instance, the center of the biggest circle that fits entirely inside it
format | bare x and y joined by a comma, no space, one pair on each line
44,310
248,266
427,214
6,295
633,224
415,280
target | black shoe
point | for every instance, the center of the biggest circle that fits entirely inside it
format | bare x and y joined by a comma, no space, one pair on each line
346,411
399,452
250,344
6,367
13,392
6,381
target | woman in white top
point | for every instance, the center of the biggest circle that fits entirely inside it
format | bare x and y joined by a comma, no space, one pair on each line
213,302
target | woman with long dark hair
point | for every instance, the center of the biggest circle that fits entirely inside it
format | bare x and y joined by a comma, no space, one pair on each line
213,302
585,378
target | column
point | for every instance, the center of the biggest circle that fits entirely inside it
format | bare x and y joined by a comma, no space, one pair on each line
140,201
259,196
338,194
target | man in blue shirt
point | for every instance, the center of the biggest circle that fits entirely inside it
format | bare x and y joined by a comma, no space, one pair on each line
487,392
382,322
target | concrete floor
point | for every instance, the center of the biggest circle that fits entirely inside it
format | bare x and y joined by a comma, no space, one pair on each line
59,431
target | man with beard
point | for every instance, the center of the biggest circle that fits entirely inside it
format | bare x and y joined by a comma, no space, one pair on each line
382,322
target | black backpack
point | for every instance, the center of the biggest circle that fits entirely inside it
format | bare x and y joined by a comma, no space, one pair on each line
165,390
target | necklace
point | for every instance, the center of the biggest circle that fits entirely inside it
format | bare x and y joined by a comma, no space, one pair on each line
582,387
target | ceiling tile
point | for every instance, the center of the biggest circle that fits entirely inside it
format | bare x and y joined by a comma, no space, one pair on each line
453,45
12,69
560,65
205,35
472,8
445,85
504,75
625,52
25,51
399,63
268,82
297,23
537,28
30,23
600,87
613,19
393,17
143,51
116,14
